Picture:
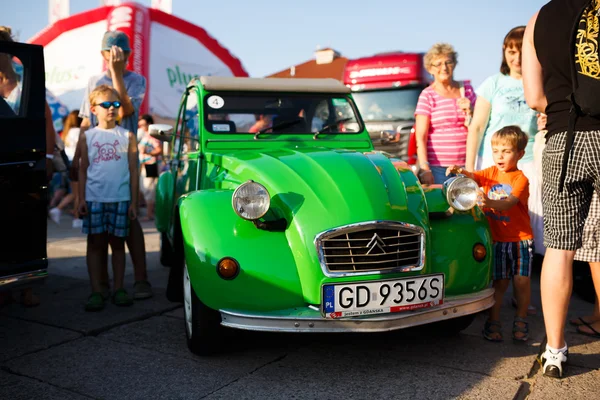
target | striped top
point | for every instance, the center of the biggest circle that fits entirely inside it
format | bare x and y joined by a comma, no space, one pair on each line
447,136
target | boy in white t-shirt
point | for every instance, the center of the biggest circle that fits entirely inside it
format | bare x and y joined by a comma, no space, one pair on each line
108,159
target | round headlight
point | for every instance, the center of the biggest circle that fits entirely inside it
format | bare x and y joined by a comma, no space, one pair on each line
251,200
461,192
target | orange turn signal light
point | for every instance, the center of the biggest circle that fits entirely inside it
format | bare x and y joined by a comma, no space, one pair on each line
228,268
479,252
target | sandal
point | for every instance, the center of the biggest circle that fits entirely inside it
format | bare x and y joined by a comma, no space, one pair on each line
593,333
492,331
95,302
121,298
518,328
581,321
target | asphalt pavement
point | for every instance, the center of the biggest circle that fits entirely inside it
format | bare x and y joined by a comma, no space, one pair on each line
58,351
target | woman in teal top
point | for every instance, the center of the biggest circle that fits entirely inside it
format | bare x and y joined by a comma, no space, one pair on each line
501,102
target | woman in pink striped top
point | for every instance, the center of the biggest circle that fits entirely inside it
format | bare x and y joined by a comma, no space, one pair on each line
442,111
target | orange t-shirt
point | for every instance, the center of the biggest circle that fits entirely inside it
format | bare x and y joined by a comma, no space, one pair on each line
512,225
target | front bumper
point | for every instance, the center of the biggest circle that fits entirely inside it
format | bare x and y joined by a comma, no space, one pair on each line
311,320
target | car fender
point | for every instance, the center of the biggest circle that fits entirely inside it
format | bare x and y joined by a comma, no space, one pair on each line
453,237
210,230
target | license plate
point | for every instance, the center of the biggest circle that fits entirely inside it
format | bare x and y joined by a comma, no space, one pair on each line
381,297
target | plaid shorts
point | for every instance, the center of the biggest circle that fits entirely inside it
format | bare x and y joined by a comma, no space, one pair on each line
590,248
565,213
107,217
512,258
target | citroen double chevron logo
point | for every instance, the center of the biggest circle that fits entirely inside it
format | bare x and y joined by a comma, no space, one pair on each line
376,245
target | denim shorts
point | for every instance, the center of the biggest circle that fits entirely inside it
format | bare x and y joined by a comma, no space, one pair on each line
439,174
112,218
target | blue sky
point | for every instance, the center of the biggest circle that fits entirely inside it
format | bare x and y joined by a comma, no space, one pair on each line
270,35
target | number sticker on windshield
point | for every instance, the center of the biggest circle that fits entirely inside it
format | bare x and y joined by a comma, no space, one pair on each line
215,102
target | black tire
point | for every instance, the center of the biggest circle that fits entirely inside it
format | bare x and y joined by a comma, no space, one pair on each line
454,326
167,255
583,284
174,288
206,335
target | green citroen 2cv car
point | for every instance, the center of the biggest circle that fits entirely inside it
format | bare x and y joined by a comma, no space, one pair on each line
276,215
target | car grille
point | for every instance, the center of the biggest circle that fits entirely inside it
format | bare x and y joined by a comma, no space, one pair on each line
375,247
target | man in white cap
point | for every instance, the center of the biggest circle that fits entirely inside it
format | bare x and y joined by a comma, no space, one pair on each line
131,88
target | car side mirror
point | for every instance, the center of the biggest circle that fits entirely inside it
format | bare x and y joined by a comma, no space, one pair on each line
162,132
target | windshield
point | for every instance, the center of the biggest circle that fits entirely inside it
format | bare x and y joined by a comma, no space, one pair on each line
279,113
388,105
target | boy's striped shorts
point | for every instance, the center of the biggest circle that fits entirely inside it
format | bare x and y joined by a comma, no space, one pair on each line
512,258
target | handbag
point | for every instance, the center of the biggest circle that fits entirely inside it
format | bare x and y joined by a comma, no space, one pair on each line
60,162
151,170
469,115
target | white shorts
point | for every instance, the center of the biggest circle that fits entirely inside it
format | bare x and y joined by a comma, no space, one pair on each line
147,185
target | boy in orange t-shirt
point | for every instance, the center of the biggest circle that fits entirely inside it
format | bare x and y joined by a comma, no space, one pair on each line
504,195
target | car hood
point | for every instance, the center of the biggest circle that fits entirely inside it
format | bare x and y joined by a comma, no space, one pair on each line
319,189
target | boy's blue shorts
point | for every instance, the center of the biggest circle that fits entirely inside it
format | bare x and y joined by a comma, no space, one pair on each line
512,258
107,217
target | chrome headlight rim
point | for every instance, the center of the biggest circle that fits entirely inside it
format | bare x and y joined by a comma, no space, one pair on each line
235,196
452,183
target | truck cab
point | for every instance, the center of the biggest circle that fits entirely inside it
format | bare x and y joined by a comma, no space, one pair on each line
386,88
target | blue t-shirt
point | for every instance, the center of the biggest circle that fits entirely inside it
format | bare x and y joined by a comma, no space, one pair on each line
507,98
135,84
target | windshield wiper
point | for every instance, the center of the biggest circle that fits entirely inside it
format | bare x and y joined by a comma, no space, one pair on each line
281,125
331,125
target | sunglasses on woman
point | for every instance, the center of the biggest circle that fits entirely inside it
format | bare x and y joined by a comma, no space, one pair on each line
107,104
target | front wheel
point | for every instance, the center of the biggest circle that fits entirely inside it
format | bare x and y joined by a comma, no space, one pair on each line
166,250
202,324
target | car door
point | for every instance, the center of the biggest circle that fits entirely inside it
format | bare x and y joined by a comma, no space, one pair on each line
23,184
187,145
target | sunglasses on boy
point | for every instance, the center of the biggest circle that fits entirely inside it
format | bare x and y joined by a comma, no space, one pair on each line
107,104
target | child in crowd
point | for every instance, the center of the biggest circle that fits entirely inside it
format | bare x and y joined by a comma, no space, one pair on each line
505,191
109,186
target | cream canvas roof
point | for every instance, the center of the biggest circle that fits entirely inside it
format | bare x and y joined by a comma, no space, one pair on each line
327,85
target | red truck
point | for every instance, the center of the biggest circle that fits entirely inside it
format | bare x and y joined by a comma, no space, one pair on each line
386,88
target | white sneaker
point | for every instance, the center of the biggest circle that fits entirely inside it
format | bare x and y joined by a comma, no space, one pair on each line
552,363
77,223
55,215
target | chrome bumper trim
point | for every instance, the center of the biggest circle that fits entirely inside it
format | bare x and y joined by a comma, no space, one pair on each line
7,282
310,320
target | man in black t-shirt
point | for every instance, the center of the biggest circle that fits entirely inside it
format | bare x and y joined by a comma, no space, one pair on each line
547,62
